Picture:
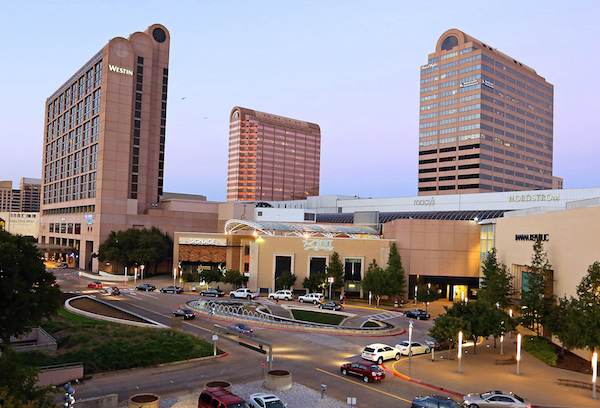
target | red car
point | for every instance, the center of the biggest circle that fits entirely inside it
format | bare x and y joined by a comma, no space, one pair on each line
96,285
368,371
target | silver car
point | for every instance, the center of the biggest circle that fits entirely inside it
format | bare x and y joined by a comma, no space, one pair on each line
494,399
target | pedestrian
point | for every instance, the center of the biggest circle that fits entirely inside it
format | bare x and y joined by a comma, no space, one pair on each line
344,300
341,298
277,300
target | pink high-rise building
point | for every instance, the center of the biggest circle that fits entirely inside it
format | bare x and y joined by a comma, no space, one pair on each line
272,157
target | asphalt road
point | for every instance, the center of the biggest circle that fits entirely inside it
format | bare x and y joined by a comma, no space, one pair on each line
312,358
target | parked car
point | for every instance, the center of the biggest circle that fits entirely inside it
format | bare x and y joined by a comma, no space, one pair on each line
112,290
368,372
212,292
63,265
96,285
241,328
243,293
55,283
171,289
416,347
433,343
264,400
185,313
146,286
331,306
380,352
493,399
417,314
282,294
434,401
311,298
218,397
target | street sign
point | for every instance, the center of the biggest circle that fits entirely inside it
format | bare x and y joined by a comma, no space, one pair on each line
262,363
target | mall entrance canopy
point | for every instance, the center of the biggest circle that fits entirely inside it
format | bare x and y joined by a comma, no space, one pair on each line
300,229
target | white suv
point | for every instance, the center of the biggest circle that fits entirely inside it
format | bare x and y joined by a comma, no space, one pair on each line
243,293
282,294
380,352
311,297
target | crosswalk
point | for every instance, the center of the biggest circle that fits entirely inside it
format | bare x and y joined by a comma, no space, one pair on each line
385,316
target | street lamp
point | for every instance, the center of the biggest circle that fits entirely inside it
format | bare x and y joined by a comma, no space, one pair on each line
518,353
142,268
174,275
460,340
410,330
594,372
331,279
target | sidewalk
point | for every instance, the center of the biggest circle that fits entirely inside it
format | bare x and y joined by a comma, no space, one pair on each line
536,383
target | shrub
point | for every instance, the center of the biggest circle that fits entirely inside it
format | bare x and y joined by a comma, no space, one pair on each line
540,348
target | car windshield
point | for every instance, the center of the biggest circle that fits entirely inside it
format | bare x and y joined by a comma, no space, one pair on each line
450,404
517,397
404,343
369,349
274,404
375,367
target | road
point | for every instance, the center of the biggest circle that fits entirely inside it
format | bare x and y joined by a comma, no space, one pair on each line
312,358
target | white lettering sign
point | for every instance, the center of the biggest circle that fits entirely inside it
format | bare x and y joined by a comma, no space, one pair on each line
488,84
534,197
433,64
425,202
469,83
202,241
318,245
120,70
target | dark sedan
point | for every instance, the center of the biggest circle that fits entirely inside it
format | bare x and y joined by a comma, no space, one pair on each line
212,292
367,371
331,306
146,286
242,328
434,401
185,313
417,314
171,289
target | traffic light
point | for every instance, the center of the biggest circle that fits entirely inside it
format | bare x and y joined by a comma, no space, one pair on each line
69,399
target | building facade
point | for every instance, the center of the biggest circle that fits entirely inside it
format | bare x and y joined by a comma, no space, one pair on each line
486,121
104,138
272,157
25,199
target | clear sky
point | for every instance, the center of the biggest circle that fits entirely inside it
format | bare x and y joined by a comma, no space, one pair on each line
350,66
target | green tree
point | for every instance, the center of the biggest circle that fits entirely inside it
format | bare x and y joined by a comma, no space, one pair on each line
562,322
375,281
234,277
17,384
211,275
535,299
286,280
26,291
585,310
335,270
446,328
315,282
396,275
428,293
496,283
484,320
135,246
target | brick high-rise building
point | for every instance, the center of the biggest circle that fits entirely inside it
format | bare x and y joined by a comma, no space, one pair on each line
104,141
272,157
486,121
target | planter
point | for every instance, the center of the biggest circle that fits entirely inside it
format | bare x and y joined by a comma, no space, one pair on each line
144,401
278,380
220,384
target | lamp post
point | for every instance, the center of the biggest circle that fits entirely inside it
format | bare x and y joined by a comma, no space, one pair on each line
331,279
125,276
142,268
502,344
174,275
518,353
410,330
135,276
594,372
460,340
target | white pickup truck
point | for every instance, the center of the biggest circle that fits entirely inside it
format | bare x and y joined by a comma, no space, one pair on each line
243,293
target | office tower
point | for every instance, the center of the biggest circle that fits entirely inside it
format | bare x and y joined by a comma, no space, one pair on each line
104,141
486,121
30,194
272,157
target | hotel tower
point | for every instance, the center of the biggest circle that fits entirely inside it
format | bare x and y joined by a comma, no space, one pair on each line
271,157
486,121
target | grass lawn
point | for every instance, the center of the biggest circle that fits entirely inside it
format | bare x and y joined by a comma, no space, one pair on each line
104,346
317,317
540,348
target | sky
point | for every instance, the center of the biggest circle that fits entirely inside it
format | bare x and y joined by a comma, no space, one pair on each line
352,67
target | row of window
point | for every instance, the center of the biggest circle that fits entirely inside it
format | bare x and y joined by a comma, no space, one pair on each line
85,209
65,228
79,162
76,188
75,116
74,140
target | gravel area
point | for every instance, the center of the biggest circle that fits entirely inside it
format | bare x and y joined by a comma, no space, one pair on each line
298,396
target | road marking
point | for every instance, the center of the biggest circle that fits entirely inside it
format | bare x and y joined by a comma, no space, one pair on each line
385,316
168,316
137,293
366,386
